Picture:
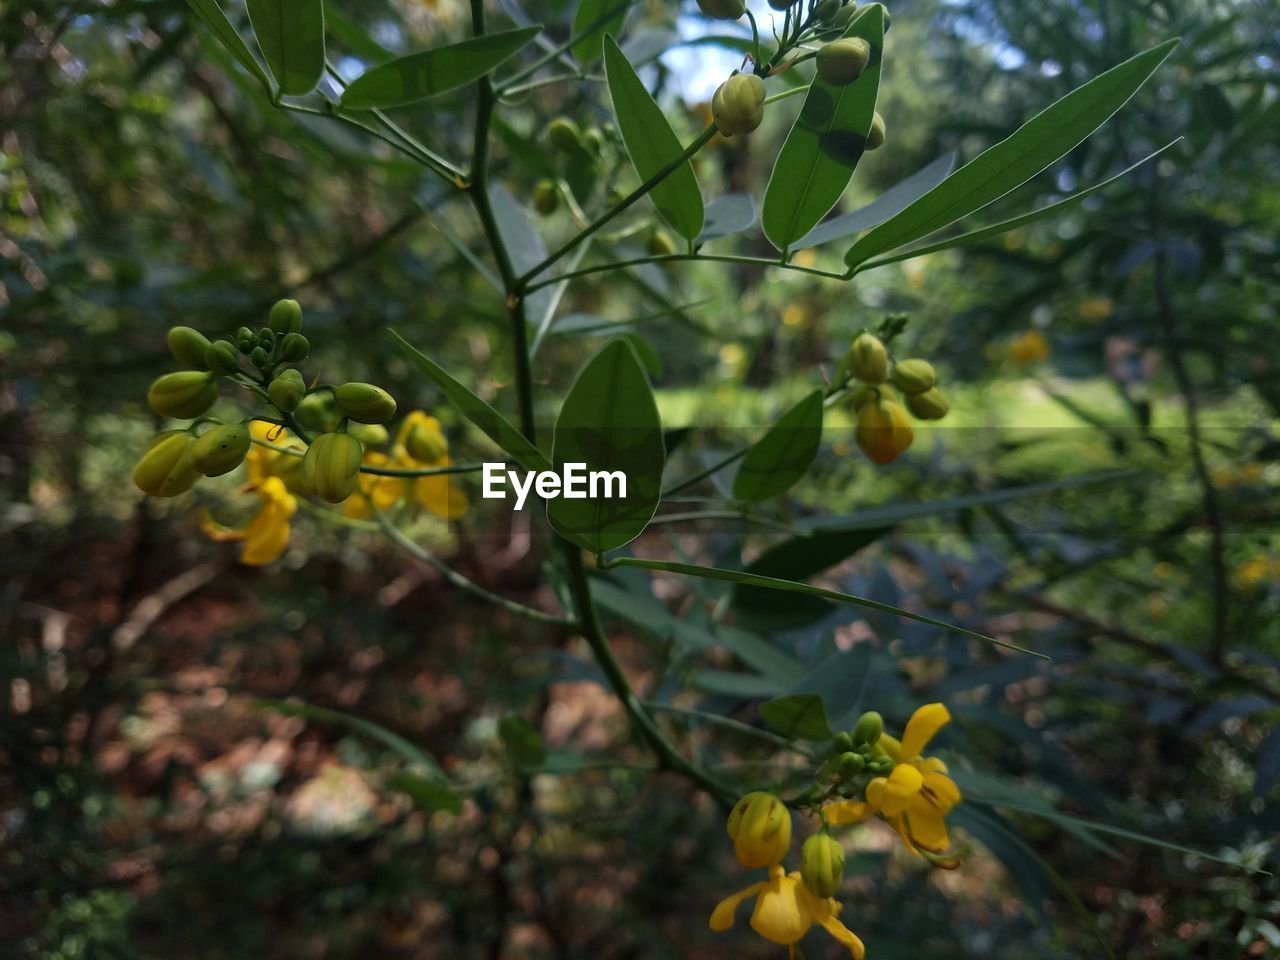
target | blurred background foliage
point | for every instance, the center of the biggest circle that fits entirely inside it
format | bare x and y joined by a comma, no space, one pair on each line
149,807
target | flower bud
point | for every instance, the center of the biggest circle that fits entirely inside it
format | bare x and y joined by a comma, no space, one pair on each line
182,395
315,411
851,763
781,5
286,317
365,403
930,405
266,339
222,357
875,138
760,827
331,466
258,357
287,390
425,442
370,434
868,360
822,865
864,394
221,449
164,469
546,197
881,765
913,376
844,15
245,340
870,727
660,244
841,743
842,62
294,347
564,134
723,9
883,433
826,11
738,104
188,347
593,140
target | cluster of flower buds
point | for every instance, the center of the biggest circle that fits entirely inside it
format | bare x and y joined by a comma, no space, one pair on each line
584,153
883,430
760,827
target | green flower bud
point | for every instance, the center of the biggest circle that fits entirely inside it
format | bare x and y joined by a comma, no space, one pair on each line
723,9
930,405
781,5
287,390
826,11
315,411
222,357
286,317
870,727
875,139
189,347
760,827
842,62
546,197
221,449
851,763
259,357
822,865
660,244
164,469
370,434
913,376
331,466
868,360
866,393
182,395
881,765
294,347
245,340
841,743
365,403
266,339
844,15
738,104
564,134
426,443
593,140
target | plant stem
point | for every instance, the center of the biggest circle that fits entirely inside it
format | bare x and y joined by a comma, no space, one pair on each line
673,257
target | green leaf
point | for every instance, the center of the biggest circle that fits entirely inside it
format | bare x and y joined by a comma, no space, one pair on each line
609,422
489,420
425,74
1014,223
593,20
802,716
291,36
211,15
524,744
427,795
825,144
524,246
727,215
1034,146
782,456
652,145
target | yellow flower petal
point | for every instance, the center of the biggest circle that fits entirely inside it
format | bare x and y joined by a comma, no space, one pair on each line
780,914
893,795
927,829
722,915
846,936
891,746
940,791
847,811
922,726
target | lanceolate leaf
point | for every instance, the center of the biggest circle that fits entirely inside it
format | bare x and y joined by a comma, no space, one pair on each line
825,144
802,716
781,457
291,36
1012,162
497,427
210,13
593,20
653,145
425,74
609,423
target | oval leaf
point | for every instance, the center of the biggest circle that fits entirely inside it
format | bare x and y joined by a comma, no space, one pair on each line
421,75
593,20
291,36
1040,141
609,423
825,144
799,717
652,145
781,457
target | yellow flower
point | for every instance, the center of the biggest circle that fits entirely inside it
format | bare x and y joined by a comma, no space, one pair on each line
383,492
264,462
784,912
760,827
917,795
267,534
1029,347
421,445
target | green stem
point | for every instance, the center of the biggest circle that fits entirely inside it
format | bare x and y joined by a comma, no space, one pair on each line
674,257
697,478
561,48
381,471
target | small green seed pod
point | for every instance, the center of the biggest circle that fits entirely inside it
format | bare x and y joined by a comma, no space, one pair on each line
164,469
930,405
189,347
365,403
564,134
822,865
868,360
294,347
182,395
286,317
546,197
738,104
331,466
875,139
724,9
870,727
913,376
222,357
660,244
221,449
842,62
287,390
